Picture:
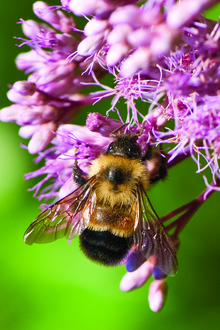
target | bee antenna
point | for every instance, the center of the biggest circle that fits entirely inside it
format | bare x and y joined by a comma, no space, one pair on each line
134,138
141,129
117,131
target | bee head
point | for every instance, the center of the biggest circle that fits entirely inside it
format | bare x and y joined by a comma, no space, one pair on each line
125,146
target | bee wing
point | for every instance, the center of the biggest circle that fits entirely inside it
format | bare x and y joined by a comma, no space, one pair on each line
152,239
65,218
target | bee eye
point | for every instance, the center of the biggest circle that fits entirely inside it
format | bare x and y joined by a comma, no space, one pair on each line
110,149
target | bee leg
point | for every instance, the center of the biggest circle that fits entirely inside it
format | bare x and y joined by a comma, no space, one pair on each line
78,175
162,172
148,155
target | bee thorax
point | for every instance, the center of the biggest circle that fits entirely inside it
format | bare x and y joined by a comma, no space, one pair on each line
116,175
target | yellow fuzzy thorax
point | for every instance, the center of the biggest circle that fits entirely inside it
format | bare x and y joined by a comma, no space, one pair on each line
122,194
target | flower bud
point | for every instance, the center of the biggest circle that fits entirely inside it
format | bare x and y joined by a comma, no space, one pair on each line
31,60
10,113
90,45
163,40
36,115
120,33
140,59
95,26
65,4
157,294
105,126
24,87
116,53
27,131
87,7
151,17
42,137
140,37
137,278
184,11
129,14
38,98
56,18
31,28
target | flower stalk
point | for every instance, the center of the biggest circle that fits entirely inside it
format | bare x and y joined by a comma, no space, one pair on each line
188,210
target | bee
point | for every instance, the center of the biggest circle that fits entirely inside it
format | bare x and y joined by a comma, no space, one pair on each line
110,211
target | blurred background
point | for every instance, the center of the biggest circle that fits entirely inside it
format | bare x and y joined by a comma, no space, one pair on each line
54,286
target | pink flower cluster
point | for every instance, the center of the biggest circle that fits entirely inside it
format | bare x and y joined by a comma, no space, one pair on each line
50,96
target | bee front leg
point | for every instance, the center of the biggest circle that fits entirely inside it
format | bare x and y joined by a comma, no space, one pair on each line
148,154
162,170
78,175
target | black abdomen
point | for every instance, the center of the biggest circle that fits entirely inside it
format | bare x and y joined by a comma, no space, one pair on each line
103,246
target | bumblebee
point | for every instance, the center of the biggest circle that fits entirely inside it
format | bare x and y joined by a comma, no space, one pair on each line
110,211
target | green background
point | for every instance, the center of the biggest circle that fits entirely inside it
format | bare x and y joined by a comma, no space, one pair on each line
54,286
